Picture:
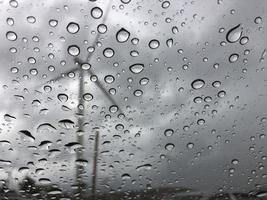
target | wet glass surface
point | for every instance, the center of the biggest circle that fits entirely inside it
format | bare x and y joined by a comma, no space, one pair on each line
133,99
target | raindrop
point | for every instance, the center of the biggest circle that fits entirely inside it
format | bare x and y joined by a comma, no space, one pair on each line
28,135
13,3
197,84
233,58
73,27
66,124
190,145
165,4
144,81
138,93
86,66
10,21
125,176
31,19
244,40
113,109
88,97
136,68
96,12
122,35
9,118
154,44
109,79
62,97
125,1
108,52
216,84
46,128
168,132
102,28
235,161
169,147
144,167
12,36
74,50
234,34
169,42
257,20
221,94
53,22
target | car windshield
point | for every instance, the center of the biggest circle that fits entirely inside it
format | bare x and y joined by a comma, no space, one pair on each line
133,99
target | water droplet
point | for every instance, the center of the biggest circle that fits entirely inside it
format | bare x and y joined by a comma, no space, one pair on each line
169,42
27,135
257,20
244,40
125,1
165,4
12,36
234,34
169,147
73,27
102,28
144,81
66,124
122,35
154,44
86,66
168,132
9,118
235,162
10,21
13,3
31,19
96,12
108,52
197,84
109,79
88,97
136,68
190,145
46,128
113,109
125,176
119,127
216,84
233,58
53,22
221,94
74,50
144,167
62,97
138,93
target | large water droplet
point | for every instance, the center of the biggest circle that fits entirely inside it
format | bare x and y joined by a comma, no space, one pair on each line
122,35
169,146
96,12
234,34
73,27
12,36
197,84
108,52
73,50
27,135
136,68
154,44
109,79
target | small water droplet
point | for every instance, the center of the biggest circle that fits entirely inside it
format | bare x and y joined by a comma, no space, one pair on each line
109,79
168,132
31,19
88,97
62,97
53,22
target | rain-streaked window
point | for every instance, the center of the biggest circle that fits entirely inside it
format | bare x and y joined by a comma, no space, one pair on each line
133,100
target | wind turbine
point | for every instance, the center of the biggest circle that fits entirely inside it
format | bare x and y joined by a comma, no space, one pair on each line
79,154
